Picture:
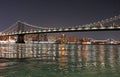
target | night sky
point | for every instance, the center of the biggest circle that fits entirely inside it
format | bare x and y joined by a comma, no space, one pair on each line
60,13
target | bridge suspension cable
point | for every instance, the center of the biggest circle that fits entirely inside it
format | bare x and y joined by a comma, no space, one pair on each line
110,19
28,27
31,25
103,21
9,28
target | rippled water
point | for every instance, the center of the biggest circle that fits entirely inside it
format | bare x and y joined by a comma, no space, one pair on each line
59,60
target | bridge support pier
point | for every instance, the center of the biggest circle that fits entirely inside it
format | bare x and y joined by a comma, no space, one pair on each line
20,38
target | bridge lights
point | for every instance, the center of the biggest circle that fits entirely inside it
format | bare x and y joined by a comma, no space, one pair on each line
102,27
111,27
73,29
3,33
87,28
23,32
44,30
35,31
66,29
26,32
79,29
94,23
15,32
49,30
10,33
54,30
7,33
60,29
94,28
19,32
39,31
119,27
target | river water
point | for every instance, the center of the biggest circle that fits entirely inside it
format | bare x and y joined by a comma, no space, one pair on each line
59,60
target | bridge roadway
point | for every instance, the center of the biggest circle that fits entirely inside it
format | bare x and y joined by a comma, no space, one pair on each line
20,33
70,29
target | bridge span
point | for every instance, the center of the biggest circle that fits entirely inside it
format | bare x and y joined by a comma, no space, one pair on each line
22,28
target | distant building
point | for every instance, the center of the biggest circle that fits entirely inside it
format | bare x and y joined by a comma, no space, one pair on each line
36,37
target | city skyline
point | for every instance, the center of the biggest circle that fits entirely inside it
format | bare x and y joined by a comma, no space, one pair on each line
60,13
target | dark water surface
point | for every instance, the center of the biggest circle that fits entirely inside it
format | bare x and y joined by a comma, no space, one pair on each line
59,60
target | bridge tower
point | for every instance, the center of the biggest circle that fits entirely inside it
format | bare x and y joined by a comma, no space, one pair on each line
20,37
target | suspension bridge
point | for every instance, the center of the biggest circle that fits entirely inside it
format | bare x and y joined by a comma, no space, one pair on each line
20,28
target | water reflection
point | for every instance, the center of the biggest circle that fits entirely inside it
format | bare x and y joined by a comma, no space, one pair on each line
115,56
102,56
84,55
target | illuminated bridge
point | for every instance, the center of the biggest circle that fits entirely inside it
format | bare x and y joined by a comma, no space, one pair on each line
22,28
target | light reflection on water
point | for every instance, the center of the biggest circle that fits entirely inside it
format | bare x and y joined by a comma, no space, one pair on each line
63,55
